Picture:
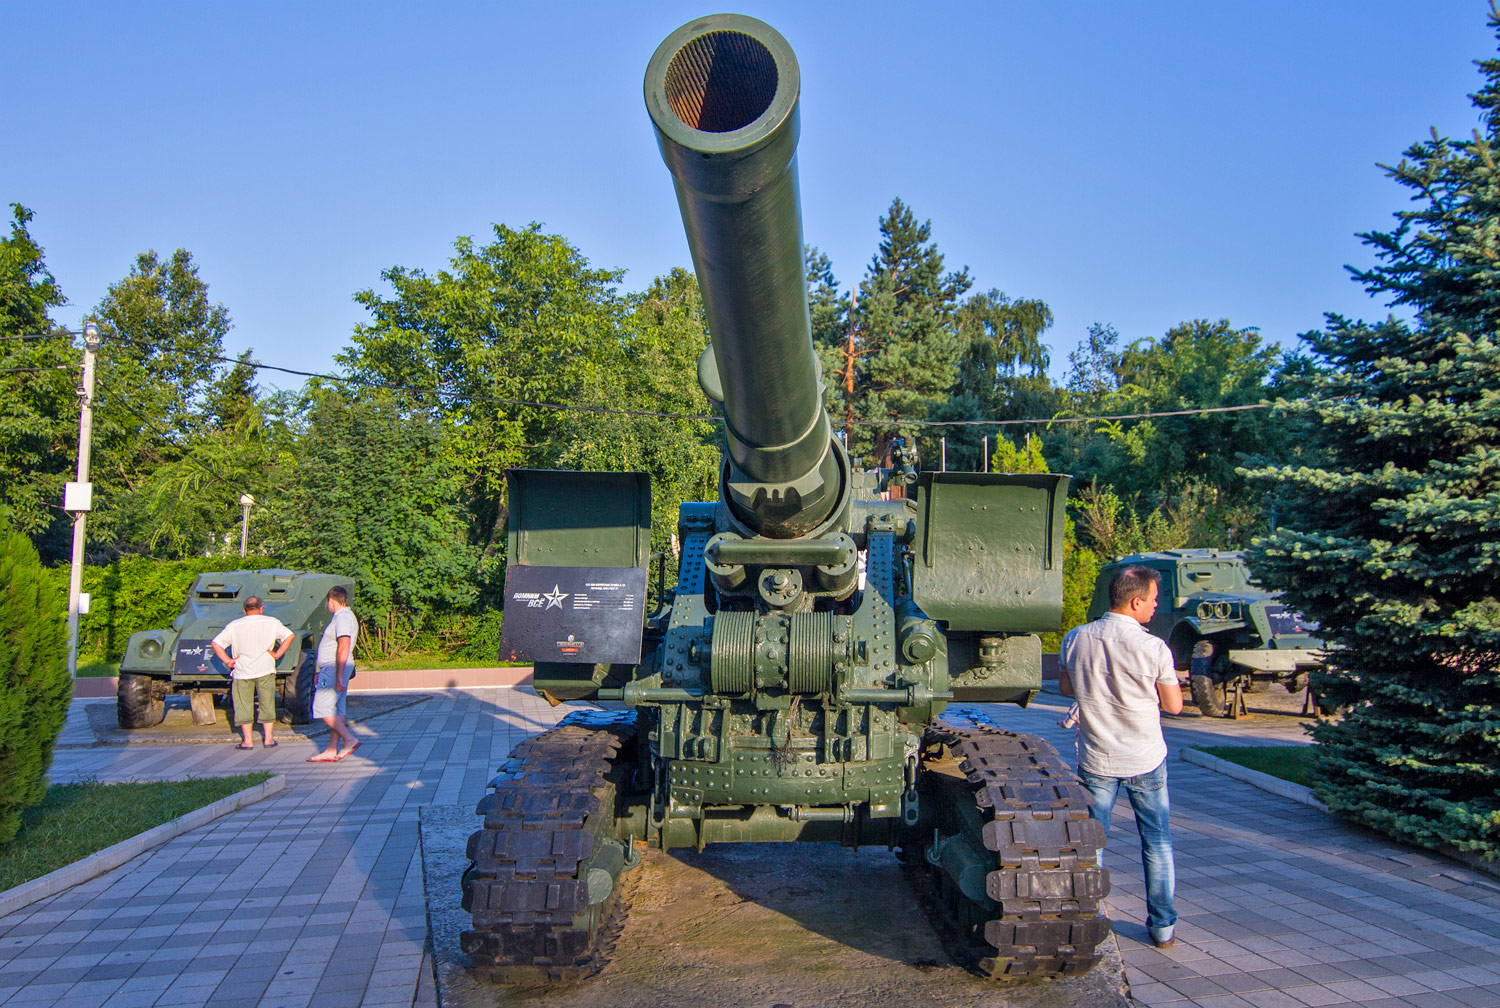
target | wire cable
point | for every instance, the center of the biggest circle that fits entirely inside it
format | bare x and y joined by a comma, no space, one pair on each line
42,335
579,408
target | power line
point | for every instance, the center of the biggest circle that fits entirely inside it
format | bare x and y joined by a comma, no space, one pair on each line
435,390
1052,420
44,335
578,408
45,367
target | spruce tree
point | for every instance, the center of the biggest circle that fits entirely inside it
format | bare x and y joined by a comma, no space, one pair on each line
905,329
1387,532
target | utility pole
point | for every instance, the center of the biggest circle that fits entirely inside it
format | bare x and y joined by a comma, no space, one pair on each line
850,353
78,498
245,501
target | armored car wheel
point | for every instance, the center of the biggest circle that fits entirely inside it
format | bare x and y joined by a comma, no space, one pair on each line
1208,693
297,691
137,702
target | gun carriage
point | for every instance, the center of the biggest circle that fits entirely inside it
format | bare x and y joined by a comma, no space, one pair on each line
792,685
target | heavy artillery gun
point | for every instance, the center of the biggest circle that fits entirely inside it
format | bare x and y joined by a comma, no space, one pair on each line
790,686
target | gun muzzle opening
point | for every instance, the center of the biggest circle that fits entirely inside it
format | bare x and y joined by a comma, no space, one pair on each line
721,81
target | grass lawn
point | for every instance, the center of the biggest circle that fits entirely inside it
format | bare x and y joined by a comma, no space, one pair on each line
98,670
76,820
1290,763
426,660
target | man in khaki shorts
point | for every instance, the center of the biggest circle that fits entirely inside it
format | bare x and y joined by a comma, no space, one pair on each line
257,642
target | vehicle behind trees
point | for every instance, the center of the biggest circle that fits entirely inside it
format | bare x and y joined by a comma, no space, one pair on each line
1228,632
792,685
179,658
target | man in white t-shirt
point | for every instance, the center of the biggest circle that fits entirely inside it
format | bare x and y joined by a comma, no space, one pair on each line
335,666
255,642
1122,677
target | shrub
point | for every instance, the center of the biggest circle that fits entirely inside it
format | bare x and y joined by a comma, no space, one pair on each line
34,686
482,642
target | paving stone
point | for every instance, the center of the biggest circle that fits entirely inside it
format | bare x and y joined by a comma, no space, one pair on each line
1278,900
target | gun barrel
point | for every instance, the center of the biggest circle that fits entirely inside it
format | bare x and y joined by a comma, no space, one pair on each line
723,94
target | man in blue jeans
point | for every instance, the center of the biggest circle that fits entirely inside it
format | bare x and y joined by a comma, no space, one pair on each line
1122,676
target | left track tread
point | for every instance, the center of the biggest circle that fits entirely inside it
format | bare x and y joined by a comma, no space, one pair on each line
527,890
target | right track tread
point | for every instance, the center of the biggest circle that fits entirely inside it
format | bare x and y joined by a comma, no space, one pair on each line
1047,882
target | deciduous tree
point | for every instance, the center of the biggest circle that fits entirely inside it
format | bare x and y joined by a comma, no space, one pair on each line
38,404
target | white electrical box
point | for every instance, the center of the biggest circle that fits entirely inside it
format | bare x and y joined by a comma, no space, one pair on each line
83,603
78,497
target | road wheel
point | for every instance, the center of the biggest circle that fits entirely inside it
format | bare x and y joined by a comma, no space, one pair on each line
297,691
137,703
1297,683
1208,694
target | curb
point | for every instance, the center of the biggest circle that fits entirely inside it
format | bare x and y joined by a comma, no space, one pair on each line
112,857
369,680
1264,781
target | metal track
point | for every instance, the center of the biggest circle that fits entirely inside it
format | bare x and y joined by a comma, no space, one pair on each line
1042,913
528,889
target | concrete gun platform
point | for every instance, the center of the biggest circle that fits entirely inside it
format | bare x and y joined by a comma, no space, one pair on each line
752,924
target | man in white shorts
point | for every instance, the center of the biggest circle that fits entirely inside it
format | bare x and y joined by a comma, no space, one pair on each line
257,642
335,666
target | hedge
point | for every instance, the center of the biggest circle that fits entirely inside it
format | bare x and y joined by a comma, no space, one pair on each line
142,593
137,593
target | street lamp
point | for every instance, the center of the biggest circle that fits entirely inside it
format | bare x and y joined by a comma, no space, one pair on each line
245,501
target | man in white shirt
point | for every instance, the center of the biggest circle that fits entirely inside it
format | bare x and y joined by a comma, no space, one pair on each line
1122,676
255,642
335,666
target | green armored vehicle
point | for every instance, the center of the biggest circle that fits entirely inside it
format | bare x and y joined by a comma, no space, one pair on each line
180,659
1225,629
792,685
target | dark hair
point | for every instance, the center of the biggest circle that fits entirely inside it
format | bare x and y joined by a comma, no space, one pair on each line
1130,582
339,594
252,603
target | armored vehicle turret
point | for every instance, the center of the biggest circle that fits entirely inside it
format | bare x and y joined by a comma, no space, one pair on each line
178,659
778,693
1227,631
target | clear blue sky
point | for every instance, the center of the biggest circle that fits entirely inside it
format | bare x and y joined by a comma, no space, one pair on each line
1131,163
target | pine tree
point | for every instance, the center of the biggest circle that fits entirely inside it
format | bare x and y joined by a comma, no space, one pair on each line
1389,538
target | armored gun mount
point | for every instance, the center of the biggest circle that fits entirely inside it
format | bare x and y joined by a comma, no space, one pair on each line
790,686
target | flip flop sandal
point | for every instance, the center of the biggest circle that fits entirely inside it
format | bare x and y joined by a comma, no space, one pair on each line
244,747
322,759
271,745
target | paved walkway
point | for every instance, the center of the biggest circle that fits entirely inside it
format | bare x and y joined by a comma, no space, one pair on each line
314,896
